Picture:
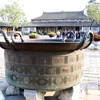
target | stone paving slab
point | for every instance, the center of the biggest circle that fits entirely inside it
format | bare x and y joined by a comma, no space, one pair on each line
92,97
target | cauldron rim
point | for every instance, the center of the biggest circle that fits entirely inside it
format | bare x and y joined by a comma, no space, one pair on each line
42,46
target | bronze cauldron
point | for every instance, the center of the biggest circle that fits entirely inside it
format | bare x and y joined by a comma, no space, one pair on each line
44,64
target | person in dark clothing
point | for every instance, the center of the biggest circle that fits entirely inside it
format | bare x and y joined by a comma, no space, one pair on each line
77,35
31,31
63,34
70,35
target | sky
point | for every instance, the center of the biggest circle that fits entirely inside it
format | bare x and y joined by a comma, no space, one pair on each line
35,8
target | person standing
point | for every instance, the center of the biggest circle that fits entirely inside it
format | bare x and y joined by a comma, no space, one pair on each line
77,35
58,34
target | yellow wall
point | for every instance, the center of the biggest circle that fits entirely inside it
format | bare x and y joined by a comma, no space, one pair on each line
6,29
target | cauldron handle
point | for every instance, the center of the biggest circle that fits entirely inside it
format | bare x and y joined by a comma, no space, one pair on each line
70,33
65,36
90,38
83,40
7,40
5,36
12,35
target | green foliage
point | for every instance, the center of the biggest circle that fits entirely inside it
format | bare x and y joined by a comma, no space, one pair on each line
14,14
52,33
33,35
93,11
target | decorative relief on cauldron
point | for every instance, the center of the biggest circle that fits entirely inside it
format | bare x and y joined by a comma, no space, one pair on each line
59,80
77,67
26,80
14,78
9,67
80,57
31,81
13,58
71,59
32,71
57,60
50,71
71,78
65,70
18,69
25,60
42,71
42,81
43,60
36,70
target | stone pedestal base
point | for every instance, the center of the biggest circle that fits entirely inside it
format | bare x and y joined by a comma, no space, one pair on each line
77,92
72,94
12,90
33,95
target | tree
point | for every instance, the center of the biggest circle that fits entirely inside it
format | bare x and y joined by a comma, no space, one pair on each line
13,14
91,1
93,12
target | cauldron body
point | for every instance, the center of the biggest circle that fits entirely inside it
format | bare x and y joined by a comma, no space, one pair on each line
45,64
44,71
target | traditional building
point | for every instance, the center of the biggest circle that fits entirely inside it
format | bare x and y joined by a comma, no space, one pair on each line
27,29
65,21
6,26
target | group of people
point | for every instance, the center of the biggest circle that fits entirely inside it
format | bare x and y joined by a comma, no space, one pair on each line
69,34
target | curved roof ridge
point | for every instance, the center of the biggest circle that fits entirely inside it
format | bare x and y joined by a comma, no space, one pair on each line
63,12
70,15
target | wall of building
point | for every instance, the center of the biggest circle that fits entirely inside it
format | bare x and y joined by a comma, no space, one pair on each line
26,30
94,29
6,29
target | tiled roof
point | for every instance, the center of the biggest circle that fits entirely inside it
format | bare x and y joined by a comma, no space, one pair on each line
61,15
5,24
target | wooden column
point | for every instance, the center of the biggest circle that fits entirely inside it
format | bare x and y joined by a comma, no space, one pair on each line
56,29
65,28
